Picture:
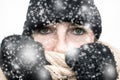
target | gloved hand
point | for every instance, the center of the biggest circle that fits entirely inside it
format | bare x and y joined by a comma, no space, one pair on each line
22,59
93,61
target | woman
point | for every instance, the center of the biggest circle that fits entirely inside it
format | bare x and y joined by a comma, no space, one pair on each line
59,25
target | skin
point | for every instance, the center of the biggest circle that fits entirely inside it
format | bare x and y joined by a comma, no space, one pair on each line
60,36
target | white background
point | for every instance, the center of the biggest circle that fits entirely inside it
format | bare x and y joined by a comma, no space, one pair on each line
13,14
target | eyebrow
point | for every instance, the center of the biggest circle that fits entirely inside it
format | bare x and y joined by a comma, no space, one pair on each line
76,25
71,25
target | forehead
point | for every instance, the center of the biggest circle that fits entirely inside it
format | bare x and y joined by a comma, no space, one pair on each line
69,25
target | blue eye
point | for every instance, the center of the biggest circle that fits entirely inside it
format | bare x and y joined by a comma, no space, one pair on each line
78,31
45,30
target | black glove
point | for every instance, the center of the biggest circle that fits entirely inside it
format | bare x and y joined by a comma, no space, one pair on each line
22,59
93,61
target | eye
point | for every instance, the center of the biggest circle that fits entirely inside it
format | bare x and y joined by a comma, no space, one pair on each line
78,31
45,30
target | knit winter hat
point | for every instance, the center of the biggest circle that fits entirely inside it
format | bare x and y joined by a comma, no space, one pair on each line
44,12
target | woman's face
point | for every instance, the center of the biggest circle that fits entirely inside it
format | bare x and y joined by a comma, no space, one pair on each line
60,36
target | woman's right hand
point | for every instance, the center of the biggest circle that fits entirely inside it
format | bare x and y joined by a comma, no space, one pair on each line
22,59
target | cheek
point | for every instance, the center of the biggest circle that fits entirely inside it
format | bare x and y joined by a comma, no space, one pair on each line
48,41
77,41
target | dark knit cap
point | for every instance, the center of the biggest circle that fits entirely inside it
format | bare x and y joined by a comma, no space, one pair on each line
44,12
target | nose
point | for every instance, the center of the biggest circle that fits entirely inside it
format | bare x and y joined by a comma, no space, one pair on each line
61,43
60,46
